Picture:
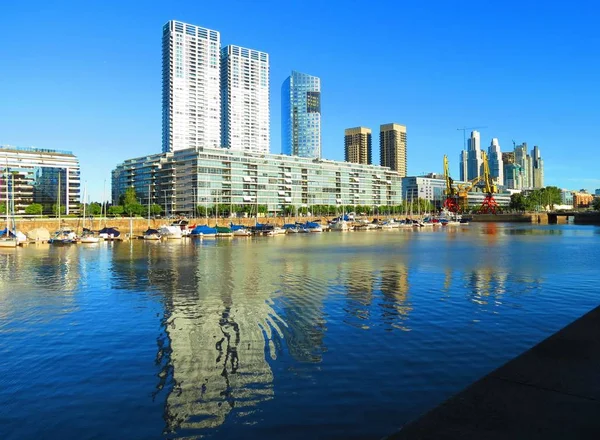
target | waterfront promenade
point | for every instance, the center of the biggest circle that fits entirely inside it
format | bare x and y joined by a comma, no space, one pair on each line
551,391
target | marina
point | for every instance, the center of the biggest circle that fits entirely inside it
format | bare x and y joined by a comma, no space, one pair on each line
357,332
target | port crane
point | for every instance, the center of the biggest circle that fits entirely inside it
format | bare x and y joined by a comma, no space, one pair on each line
489,204
451,202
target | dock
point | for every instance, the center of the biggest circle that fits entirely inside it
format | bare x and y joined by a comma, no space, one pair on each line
551,391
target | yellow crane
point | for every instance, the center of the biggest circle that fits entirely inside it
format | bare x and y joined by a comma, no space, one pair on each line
451,202
489,204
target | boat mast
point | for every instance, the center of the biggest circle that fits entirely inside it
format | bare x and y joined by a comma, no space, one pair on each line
6,206
83,221
58,201
149,195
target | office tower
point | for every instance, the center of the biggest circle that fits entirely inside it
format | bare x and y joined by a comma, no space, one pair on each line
495,162
392,147
357,145
474,156
537,168
464,165
245,99
191,95
523,159
301,115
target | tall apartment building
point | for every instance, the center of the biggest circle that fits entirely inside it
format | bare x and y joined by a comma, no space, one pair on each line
301,115
537,168
191,94
245,99
357,145
392,147
36,175
495,162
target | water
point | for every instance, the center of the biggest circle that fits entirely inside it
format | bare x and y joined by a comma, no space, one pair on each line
338,335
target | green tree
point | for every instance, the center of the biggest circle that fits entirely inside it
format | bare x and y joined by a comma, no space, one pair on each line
596,203
551,195
518,202
2,208
34,209
155,209
115,210
93,208
201,211
63,209
130,203
262,209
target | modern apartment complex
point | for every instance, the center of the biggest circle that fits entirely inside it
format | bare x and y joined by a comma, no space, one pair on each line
36,175
357,145
301,115
245,99
392,147
191,93
182,180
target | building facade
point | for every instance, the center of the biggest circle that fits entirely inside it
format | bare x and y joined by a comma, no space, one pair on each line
392,147
566,197
464,165
245,99
357,145
191,92
301,116
181,181
495,162
35,175
582,199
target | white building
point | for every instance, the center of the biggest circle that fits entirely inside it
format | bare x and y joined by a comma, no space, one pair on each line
191,95
474,151
245,99
495,162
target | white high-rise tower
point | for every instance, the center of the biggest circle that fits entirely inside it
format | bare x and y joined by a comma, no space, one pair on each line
495,161
191,95
245,99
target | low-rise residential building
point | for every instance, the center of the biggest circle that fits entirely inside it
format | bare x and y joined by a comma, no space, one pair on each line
582,199
34,175
180,181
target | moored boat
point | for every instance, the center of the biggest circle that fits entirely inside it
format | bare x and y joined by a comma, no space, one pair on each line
203,231
109,233
170,232
151,234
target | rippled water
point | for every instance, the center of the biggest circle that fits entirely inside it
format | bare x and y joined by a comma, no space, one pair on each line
337,335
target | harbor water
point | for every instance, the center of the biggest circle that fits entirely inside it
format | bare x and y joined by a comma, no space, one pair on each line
324,335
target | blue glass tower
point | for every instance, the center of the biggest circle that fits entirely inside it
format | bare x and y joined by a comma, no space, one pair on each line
301,115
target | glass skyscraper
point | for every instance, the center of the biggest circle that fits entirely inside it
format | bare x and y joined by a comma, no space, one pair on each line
301,115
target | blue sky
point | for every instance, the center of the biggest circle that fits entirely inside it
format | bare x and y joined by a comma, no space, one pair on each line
86,76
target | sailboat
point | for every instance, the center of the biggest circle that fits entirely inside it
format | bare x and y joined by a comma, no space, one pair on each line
64,235
8,239
150,234
87,235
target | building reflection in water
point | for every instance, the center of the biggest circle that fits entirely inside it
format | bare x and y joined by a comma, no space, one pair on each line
395,305
227,311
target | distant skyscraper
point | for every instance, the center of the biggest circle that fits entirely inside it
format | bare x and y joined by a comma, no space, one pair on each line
464,165
474,159
301,115
537,168
357,145
392,147
523,159
191,94
245,99
495,161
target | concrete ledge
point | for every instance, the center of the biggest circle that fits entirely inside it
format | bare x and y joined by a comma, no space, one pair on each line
551,391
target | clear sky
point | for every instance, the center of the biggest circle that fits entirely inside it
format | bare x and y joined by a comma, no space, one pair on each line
85,76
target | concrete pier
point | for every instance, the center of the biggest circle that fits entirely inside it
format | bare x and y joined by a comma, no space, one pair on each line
551,391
